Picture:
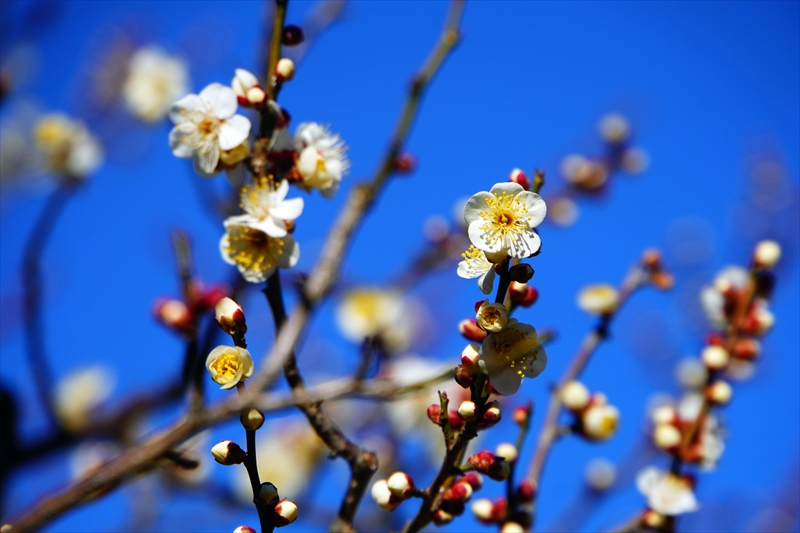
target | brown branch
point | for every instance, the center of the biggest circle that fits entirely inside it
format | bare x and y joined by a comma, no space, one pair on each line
550,431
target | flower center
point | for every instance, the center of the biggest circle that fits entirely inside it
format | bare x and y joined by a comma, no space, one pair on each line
252,249
226,365
209,126
505,216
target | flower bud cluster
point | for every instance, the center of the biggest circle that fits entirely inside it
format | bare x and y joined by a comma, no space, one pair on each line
487,463
595,418
391,492
495,512
467,411
653,264
672,427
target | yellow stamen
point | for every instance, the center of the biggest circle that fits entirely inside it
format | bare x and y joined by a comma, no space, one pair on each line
252,249
226,365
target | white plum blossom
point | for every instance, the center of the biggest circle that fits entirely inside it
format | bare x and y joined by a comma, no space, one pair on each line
475,265
504,219
511,354
375,312
712,298
66,146
206,124
266,207
322,159
229,365
79,393
598,299
155,80
666,493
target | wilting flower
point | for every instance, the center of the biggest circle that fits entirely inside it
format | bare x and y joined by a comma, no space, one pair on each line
322,159
228,365
80,393
512,354
666,493
66,146
504,219
475,265
249,241
155,80
205,124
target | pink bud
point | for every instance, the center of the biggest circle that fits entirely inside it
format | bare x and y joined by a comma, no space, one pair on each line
470,330
520,415
230,317
175,314
244,529
518,176
285,513
441,517
525,491
474,479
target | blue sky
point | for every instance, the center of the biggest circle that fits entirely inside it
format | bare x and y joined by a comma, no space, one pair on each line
710,88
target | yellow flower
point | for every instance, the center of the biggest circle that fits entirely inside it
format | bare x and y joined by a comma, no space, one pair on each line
228,365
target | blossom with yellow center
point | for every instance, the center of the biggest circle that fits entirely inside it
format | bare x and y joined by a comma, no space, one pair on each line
476,265
254,252
666,493
228,365
491,317
504,219
66,146
322,159
512,354
205,124
374,312
266,208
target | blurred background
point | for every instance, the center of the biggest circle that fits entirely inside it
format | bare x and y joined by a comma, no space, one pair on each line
711,95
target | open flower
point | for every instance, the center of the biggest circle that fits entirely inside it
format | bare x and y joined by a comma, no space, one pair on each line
475,265
504,219
155,80
66,146
374,312
228,365
666,493
266,208
512,354
255,253
322,160
80,393
205,124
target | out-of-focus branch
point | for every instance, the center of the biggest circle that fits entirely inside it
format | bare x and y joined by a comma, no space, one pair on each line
324,14
549,432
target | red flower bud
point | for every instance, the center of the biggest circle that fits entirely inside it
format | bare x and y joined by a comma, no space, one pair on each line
470,330
292,35
518,176
525,491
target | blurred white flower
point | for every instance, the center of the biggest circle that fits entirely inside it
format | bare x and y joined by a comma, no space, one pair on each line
730,280
512,354
598,299
504,219
373,312
666,493
322,159
155,80
79,393
66,146
205,124
475,265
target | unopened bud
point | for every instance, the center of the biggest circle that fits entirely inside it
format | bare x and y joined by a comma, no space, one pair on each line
230,317
442,517
491,317
598,299
600,474
766,254
521,273
663,280
400,484
463,375
507,451
268,493
404,163
256,95
242,82
175,314
600,422
760,320
746,349
384,497
474,479
467,410
252,419
614,128
574,395
228,453
652,259
499,470
719,392
715,357
461,491
525,491
292,35
491,413
469,355
653,520
522,294
482,509
470,330
665,414
434,412
666,436
285,513
244,529
284,70
518,176
512,527
520,415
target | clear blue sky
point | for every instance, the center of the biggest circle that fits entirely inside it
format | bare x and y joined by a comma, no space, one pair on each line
707,86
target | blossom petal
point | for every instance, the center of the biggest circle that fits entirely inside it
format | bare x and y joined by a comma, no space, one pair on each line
477,237
224,245
537,208
181,139
221,100
187,108
507,187
205,163
476,204
233,132
505,380
291,253
288,209
271,226
486,281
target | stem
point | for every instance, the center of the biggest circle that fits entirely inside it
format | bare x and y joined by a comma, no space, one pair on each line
251,463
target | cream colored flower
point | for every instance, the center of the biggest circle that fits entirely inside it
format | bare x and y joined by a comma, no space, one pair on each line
81,392
155,80
491,317
512,354
600,421
205,124
66,146
504,219
228,365
322,159
476,265
666,493
373,312
598,299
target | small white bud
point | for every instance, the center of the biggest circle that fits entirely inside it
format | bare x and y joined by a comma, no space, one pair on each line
766,254
442,517
252,419
285,69
715,357
400,484
285,513
482,509
598,299
228,453
383,496
614,128
762,318
230,317
470,353
666,436
512,527
663,415
507,451
256,95
600,421
243,81
467,410
244,529
600,474
574,395
719,392
691,373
